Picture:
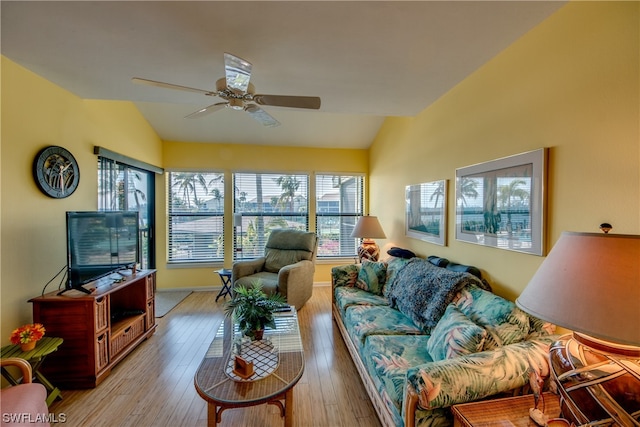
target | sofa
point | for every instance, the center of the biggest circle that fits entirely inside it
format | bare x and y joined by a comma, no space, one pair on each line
426,334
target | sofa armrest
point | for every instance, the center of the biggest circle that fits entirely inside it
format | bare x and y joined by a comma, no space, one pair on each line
476,376
344,275
242,269
295,282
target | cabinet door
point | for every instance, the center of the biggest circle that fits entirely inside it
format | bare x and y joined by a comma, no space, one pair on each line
101,313
102,351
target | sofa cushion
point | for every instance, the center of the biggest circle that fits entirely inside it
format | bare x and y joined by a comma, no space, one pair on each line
371,276
505,323
363,320
345,275
455,335
387,358
346,296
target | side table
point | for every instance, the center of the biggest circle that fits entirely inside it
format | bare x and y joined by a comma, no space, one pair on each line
35,357
509,411
225,278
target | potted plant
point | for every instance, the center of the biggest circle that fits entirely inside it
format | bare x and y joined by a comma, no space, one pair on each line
27,336
253,309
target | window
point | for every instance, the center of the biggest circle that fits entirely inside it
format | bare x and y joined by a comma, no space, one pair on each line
263,202
339,201
196,216
127,188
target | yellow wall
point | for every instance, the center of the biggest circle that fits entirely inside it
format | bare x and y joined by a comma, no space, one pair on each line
229,158
35,114
570,84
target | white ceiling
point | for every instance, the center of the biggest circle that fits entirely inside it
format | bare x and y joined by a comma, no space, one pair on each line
365,59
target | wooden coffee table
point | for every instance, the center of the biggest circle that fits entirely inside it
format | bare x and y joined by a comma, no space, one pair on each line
214,384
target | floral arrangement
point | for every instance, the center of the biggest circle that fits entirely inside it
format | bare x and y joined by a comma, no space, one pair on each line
27,333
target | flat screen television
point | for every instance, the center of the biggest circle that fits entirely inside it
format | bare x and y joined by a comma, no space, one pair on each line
99,244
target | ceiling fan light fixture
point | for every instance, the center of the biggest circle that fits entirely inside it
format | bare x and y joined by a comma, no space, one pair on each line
236,104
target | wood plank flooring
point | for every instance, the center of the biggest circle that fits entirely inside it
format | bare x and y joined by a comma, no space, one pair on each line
153,386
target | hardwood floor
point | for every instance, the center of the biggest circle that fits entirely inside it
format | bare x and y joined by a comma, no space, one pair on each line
153,386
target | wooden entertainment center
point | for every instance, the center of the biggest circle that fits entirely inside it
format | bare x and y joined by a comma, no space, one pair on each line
98,329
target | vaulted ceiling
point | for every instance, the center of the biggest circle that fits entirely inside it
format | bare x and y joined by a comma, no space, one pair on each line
366,59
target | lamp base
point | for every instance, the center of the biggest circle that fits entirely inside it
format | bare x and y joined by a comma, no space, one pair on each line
368,250
596,382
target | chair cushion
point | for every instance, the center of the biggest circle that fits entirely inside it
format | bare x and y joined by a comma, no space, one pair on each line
269,281
288,246
22,400
455,335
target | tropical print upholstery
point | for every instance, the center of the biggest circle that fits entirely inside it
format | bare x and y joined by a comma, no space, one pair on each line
345,275
455,335
362,321
372,276
475,376
505,323
346,296
387,358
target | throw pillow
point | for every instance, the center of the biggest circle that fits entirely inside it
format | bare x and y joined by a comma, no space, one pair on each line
505,323
371,276
455,335
401,253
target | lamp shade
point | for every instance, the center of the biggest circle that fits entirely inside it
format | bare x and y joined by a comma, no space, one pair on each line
368,227
589,283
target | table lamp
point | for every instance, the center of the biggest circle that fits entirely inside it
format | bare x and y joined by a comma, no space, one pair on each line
368,228
590,283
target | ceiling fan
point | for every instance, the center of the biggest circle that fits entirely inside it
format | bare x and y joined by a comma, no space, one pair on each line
239,94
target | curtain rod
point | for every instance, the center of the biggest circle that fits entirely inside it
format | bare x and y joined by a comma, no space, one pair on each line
120,158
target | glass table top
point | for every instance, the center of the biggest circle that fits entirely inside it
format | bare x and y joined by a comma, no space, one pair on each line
214,384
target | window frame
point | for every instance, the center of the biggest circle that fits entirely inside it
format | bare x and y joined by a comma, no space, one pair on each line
218,252
357,213
243,227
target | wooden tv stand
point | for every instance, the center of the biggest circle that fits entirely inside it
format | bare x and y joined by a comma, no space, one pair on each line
98,329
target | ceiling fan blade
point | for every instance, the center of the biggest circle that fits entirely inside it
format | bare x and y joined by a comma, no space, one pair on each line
237,72
171,86
206,110
311,102
262,116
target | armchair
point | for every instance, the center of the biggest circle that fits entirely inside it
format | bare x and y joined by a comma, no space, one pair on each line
287,266
26,402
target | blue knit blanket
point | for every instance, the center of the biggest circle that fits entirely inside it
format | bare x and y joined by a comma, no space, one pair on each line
423,291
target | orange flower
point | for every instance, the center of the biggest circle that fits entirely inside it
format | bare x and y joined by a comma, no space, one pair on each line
27,333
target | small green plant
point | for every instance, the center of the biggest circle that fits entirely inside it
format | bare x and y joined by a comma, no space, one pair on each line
253,309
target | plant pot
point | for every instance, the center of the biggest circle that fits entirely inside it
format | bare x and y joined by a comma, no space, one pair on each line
28,346
258,334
